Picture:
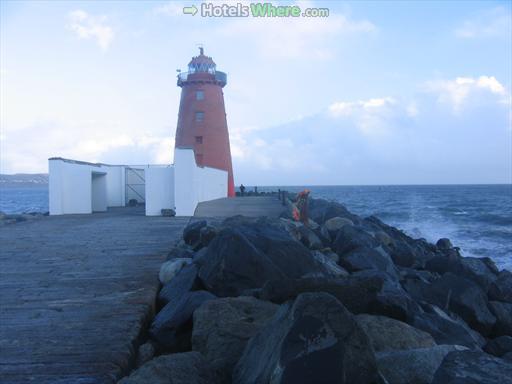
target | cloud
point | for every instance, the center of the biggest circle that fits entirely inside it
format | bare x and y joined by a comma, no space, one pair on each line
490,23
87,26
457,91
171,8
296,37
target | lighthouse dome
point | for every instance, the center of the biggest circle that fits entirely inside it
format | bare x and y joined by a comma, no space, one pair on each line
201,63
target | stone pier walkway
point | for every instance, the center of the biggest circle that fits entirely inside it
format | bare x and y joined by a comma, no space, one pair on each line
75,293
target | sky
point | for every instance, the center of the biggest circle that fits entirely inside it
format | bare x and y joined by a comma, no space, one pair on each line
376,93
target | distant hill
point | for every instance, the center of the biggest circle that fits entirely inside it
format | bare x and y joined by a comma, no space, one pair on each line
24,180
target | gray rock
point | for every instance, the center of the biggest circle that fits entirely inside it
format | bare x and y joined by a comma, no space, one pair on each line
178,368
445,328
463,297
185,281
473,367
503,313
322,210
247,252
386,334
444,243
499,346
312,340
350,238
180,253
192,232
364,258
207,234
333,269
384,239
145,353
413,366
501,289
170,268
168,212
172,326
222,328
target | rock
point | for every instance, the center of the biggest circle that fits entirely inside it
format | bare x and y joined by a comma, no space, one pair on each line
207,234
322,210
384,239
374,292
246,253
170,268
145,353
463,297
309,238
312,340
473,367
330,254
499,346
168,212
178,368
480,270
444,243
172,326
402,254
444,328
503,314
508,357
333,269
192,232
350,238
416,366
386,334
222,328
184,281
364,258
180,253
333,225
501,289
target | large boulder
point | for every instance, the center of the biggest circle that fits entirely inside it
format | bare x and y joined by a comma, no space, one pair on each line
322,210
501,288
170,268
503,313
350,238
185,281
462,297
499,346
363,258
222,328
312,340
416,366
246,253
445,328
178,368
473,367
386,334
192,232
371,292
172,326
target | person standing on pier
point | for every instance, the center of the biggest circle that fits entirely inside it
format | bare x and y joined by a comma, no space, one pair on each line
242,189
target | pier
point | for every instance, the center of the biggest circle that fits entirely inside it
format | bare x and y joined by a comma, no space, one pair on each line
77,291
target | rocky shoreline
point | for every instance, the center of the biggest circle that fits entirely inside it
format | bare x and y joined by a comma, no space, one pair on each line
344,299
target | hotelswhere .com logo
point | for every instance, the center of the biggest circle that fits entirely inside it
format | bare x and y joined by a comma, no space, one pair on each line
253,10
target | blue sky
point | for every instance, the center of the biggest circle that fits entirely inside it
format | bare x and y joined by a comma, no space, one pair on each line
377,93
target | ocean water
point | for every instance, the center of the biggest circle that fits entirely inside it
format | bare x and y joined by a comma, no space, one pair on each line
477,218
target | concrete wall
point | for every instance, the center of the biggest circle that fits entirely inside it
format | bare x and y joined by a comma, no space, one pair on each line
71,186
159,189
195,184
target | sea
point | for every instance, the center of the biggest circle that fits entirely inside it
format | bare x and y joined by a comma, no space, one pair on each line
476,218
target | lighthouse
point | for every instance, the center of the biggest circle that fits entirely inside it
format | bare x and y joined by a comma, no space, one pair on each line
202,124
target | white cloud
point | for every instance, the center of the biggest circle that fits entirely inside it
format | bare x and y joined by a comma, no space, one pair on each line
171,8
87,26
457,91
296,37
490,23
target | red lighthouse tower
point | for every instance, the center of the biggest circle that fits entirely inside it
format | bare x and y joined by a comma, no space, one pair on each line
202,121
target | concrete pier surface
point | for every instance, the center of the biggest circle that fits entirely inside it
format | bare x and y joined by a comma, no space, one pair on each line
77,291
250,206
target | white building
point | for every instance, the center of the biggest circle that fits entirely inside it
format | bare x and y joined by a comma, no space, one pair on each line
81,187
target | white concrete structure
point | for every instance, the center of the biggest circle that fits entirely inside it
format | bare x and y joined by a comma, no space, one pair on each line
81,187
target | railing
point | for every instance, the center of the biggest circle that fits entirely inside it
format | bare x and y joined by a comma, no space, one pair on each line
219,76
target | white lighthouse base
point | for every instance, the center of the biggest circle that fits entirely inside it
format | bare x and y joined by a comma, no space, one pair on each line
84,188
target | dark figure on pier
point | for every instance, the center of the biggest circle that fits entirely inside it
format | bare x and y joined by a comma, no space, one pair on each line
242,189
255,190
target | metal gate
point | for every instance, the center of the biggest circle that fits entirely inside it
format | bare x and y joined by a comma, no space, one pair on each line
135,185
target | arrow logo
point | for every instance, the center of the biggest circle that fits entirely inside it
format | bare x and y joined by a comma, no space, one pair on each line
190,10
